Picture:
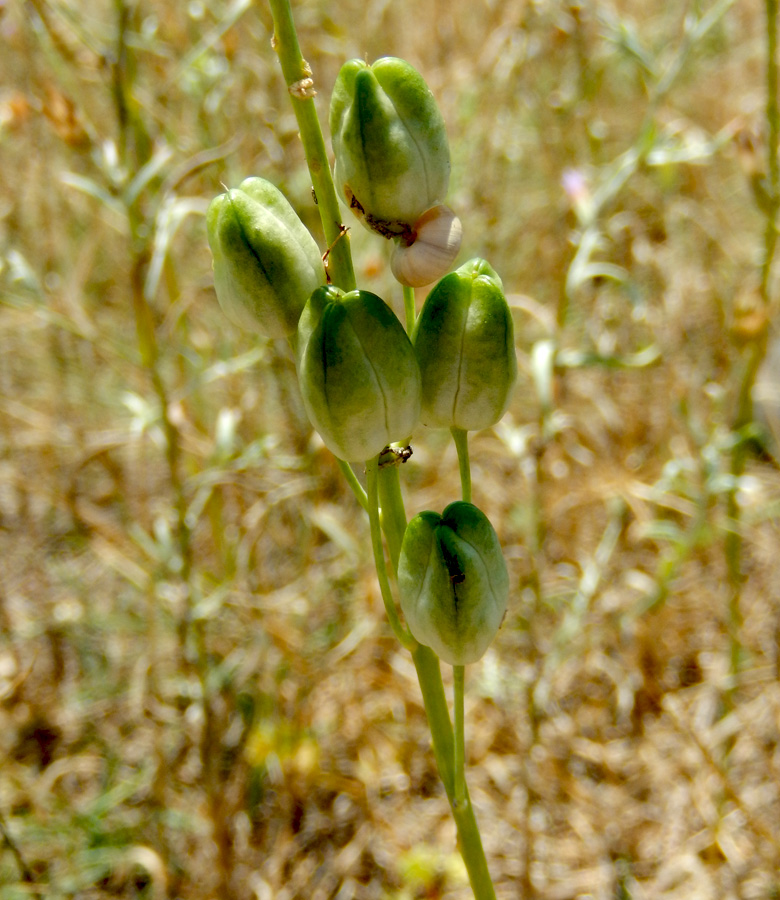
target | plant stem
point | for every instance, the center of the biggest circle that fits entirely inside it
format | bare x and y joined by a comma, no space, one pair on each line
372,470
757,349
352,481
469,839
409,309
149,353
297,73
773,128
460,738
461,439
391,502
135,148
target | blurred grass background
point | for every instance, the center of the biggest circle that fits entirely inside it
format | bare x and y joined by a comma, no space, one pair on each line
199,696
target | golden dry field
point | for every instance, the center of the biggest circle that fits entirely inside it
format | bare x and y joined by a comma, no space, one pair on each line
200,696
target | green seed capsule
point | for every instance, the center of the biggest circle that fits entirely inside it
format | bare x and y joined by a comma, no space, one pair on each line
266,263
464,341
392,155
453,582
358,374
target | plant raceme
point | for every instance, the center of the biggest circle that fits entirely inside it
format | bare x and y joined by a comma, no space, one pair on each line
367,384
364,383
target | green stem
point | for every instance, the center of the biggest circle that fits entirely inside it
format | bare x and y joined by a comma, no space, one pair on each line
773,164
409,309
461,439
297,74
372,470
352,481
460,731
429,675
469,840
393,514
757,350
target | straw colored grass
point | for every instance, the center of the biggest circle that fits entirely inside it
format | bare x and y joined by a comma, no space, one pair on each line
199,695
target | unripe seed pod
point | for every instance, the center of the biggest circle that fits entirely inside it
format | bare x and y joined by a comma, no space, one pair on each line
464,341
453,582
358,373
392,155
266,263
430,250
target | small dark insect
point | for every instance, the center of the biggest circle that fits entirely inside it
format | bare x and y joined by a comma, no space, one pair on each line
314,196
458,578
392,456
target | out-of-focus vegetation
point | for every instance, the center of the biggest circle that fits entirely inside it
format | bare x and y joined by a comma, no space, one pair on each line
199,695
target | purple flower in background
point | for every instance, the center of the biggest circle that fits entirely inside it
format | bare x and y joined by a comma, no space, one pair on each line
575,186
